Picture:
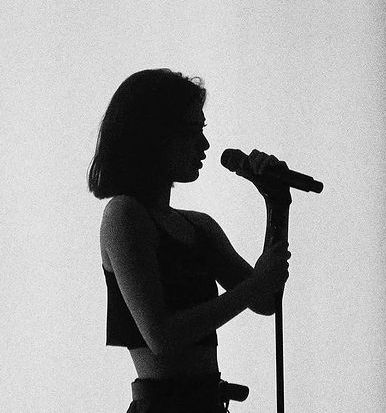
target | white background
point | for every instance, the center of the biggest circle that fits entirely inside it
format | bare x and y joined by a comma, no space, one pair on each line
301,80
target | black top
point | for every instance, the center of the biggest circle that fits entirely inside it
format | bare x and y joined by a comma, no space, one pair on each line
186,278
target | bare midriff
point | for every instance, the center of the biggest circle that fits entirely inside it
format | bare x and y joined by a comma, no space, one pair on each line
196,361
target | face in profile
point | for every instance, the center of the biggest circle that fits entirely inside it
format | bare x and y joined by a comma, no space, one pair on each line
186,147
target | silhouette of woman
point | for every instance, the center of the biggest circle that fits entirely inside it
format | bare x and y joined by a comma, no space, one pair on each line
161,264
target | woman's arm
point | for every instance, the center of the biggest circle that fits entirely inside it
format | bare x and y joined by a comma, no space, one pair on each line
186,327
230,268
130,239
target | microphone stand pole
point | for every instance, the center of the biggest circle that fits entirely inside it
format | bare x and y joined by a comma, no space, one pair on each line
277,230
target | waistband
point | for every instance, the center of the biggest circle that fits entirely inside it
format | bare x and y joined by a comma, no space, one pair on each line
207,384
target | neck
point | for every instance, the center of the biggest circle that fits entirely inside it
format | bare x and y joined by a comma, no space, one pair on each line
159,200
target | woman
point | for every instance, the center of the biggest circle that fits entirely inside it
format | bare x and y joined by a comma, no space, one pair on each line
161,264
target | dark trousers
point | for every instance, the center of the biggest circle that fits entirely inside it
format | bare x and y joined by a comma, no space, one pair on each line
198,395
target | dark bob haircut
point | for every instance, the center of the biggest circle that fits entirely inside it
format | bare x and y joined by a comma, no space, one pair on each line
144,111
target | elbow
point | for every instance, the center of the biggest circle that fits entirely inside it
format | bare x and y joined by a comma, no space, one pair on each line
154,340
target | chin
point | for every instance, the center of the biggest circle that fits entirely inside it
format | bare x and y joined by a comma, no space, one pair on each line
188,177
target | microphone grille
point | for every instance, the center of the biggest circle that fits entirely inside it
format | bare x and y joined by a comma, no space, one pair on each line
231,159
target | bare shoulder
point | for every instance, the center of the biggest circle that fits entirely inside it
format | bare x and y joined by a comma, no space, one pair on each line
123,202
126,212
126,206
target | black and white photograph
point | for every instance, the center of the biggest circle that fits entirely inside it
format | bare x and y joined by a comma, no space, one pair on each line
193,206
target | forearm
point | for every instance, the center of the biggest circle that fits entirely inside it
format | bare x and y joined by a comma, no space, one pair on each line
259,303
185,327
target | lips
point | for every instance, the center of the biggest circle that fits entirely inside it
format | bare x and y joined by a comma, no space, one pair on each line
199,159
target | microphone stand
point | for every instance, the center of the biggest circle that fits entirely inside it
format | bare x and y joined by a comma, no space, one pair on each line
277,230
277,204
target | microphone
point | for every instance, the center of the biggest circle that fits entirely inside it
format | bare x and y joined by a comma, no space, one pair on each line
234,159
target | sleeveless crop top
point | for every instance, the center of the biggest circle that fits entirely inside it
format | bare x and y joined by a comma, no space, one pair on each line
186,280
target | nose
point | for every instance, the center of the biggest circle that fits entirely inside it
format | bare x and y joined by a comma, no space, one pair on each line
205,142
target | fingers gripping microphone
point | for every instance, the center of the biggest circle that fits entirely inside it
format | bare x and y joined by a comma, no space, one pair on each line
234,159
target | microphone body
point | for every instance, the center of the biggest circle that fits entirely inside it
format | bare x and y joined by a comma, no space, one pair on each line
234,159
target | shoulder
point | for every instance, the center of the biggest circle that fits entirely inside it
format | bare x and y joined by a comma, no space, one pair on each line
125,205
123,200
125,213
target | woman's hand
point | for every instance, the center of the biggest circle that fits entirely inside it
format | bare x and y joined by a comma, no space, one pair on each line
270,188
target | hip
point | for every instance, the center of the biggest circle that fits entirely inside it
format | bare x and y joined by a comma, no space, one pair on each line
182,395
